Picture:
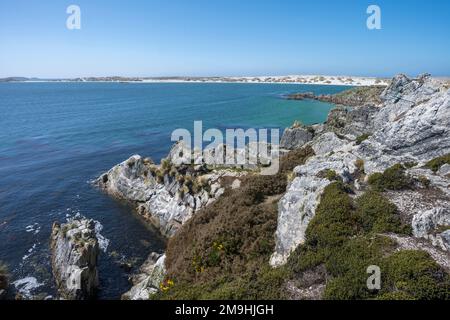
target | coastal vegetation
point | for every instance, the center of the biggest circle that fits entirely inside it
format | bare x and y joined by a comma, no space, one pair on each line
393,178
223,251
436,163
229,258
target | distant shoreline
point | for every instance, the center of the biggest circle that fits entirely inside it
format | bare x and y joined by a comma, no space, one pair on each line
299,80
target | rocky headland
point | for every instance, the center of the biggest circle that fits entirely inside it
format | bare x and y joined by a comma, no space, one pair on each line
371,186
75,251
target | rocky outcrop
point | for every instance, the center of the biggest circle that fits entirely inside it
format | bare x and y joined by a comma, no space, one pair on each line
297,207
75,252
166,195
412,125
296,137
427,223
148,281
355,97
352,122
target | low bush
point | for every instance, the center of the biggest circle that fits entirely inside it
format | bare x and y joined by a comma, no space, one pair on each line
378,214
362,138
393,178
415,274
436,163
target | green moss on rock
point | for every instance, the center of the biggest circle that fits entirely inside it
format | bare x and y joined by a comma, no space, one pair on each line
436,163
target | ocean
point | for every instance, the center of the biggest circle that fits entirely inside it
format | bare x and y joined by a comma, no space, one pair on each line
55,138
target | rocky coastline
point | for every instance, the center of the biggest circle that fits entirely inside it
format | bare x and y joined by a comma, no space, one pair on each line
390,149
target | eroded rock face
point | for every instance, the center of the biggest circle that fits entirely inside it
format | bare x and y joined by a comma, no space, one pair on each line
162,194
412,125
352,122
427,223
297,207
294,138
147,282
75,252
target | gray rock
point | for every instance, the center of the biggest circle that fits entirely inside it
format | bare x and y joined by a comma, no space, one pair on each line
444,170
75,251
326,143
147,281
412,125
163,202
294,138
426,223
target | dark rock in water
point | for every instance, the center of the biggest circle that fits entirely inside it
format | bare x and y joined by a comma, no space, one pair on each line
301,96
75,251
296,137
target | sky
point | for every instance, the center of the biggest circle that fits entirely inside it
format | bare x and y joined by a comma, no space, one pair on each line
223,38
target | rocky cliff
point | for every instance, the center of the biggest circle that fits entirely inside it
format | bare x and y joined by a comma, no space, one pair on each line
4,281
411,126
371,186
75,252
168,194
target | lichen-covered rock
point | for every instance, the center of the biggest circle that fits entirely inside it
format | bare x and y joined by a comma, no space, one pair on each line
327,142
352,122
75,252
297,207
149,278
295,137
427,223
166,195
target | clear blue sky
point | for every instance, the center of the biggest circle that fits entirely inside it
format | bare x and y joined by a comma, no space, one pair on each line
223,37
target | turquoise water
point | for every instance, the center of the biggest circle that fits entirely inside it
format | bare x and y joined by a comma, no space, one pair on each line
56,137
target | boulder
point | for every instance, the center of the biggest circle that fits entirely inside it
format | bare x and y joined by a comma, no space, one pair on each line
294,138
75,252
426,225
149,278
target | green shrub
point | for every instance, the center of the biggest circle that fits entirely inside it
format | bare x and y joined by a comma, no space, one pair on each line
436,163
395,295
330,175
362,138
348,265
378,215
393,178
415,274
335,219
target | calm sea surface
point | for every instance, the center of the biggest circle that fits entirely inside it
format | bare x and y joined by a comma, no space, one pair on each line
55,138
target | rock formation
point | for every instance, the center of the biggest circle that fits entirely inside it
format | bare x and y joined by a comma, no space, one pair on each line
355,97
148,280
412,125
296,137
166,195
75,252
